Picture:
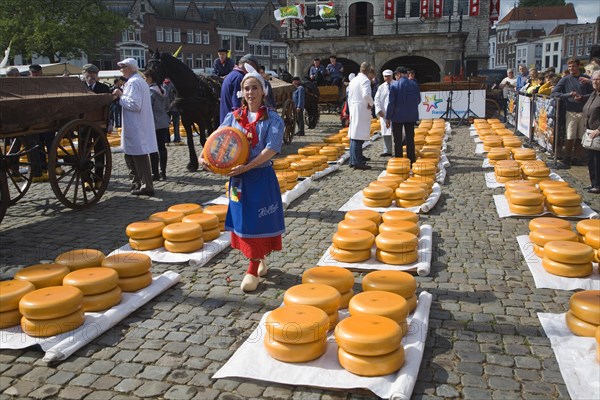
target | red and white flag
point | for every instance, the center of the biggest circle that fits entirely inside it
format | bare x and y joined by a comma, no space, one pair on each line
473,8
388,11
424,8
438,7
494,10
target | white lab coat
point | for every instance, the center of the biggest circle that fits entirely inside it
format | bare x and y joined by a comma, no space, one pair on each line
359,97
138,136
382,99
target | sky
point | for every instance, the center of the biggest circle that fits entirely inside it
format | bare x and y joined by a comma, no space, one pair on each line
587,10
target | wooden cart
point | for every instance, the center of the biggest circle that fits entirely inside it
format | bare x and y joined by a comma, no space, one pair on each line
283,92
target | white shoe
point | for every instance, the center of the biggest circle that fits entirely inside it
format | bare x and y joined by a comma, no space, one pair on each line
263,269
249,283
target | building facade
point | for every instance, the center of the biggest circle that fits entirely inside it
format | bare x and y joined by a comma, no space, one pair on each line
579,39
552,49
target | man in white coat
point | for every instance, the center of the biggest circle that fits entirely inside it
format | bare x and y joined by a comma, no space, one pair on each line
138,137
360,103
382,99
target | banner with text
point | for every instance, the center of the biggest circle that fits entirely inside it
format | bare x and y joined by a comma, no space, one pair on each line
289,12
512,107
524,116
435,103
544,121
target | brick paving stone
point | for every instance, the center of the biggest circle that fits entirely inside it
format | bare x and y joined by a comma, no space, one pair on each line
277,392
127,370
503,383
20,389
180,392
152,389
45,392
73,393
106,382
60,377
206,394
248,389
100,395
84,379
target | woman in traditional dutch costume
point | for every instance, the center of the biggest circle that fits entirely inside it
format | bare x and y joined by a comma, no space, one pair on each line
255,212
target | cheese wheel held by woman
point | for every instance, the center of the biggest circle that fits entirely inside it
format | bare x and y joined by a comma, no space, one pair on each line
226,148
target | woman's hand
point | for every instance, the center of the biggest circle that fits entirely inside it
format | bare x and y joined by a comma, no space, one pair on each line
238,169
203,163
595,133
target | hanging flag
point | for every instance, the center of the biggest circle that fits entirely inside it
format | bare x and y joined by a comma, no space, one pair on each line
6,54
326,12
494,11
438,7
473,8
389,9
289,12
177,52
424,8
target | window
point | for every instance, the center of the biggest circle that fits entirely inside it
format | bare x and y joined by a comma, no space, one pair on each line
448,7
547,46
176,35
258,50
190,60
547,62
278,53
136,53
266,51
159,35
168,35
190,36
538,51
198,37
415,10
199,63
589,40
571,46
579,40
226,41
239,43
401,9
208,61
555,46
205,37
580,51
463,7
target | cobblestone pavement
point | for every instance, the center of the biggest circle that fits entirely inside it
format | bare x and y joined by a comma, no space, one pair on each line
484,342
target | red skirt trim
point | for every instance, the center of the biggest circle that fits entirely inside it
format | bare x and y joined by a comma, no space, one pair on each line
257,248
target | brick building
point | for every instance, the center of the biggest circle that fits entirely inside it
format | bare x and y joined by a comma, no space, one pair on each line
578,40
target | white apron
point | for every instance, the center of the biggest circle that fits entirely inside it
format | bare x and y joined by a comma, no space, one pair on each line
138,136
359,97
382,99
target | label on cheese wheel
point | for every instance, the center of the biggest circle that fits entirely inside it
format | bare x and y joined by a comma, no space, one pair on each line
578,326
400,215
295,353
585,305
549,222
186,208
128,263
317,295
339,278
364,214
92,280
52,327
80,258
43,275
567,270
397,242
11,292
570,252
398,282
358,224
144,229
51,302
182,231
297,324
10,318
225,149
167,217
369,335
135,283
377,302
349,256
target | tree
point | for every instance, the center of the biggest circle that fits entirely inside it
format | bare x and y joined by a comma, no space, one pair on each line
58,28
540,3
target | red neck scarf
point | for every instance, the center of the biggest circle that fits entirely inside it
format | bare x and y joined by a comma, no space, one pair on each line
241,116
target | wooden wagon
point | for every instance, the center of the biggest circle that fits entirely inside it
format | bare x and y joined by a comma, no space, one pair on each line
283,92
79,160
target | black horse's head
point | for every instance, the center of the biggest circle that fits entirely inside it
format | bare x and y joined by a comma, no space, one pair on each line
156,66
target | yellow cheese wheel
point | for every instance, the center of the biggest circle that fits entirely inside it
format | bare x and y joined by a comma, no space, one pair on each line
358,224
564,199
52,327
184,247
349,256
135,283
144,229
295,353
549,222
565,211
80,258
333,320
525,210
146,244
51,302
410,193
552,183
128,263
412,303
345,298
182,232
372,365
592,238
43,275
399,226
11,292
219,210
389,184
538,251
363,214
537,171
92,280
399,282
586,225
317,295
353,240
301,165
297,324
580,327
377,192
519,183
369,335
388,257
566,270
559,190
526,198
409,203
10,318
399,161
585,305
211,234
571,252
400,215
280,164
222,226
381,203
400,169
378,302
597,256
102,301
339,278
186,208
421,179
391,179
167,217
424,168
544,235
397,242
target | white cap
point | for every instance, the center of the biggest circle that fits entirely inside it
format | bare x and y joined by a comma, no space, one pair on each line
388,72
351,76
129,62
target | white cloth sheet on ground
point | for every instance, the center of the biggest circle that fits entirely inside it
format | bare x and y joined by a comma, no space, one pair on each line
326,372
504,211
356,202
62,346
576,357
479,148
196,258
422,266
344,157
544,279
491,182
440,176
376,136
319,174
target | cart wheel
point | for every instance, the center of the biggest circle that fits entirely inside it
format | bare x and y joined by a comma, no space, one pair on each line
492,109
17,168
4,195
288,113
79,164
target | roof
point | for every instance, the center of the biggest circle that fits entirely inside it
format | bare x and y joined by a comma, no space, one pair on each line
558,30
540,13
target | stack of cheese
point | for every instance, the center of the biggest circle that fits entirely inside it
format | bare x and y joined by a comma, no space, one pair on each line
378,196
80,258
52,310
43,275
286,178
100,287
430,153
524,201
208,222
324,297
511,142
304,168
145,235
338,278
497,153
583,317
358,224
589,229
220,210
319,162
398,167
133,270
507,170
167,217
522,154
398,282
332,152
411,194
352,246
535,170
544,230
397,248
491,141
561,199
424,168
11,293
183,237
568,258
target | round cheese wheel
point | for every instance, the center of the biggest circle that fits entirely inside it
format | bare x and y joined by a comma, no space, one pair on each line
424,168
391,179
549,222
145,229
571,252
559,190
383,203
225,149
389,184
295,352
211,234
92,280
377,302
585,305
399,282
400,215
398,242
409,203
102,301
146,244
358,224
307,151
135,283
567,270
184,247
552,183
377,192
538,251
586,225
525,210
186,208
536,171
333,320
182,232
11,292
580,327
400,169
526,198
399,161
564,199
353,240
80,258
565,211
345,298
317,295
412,303
220,210
128,263
592,238
369,335
280,164
421,179
410,193
544,235
297,324
167,217
519,184
10,318
372,365
363,214
339,278
349,256
52,327
388,257
43,275
399,226
51,302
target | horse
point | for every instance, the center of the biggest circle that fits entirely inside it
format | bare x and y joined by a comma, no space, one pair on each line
197,100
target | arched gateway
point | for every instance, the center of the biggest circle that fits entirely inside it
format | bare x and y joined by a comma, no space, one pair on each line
426,70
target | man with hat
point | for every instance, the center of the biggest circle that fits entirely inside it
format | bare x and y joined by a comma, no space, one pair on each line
231,89
35,70
298,99
382,99
222,65
317,72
